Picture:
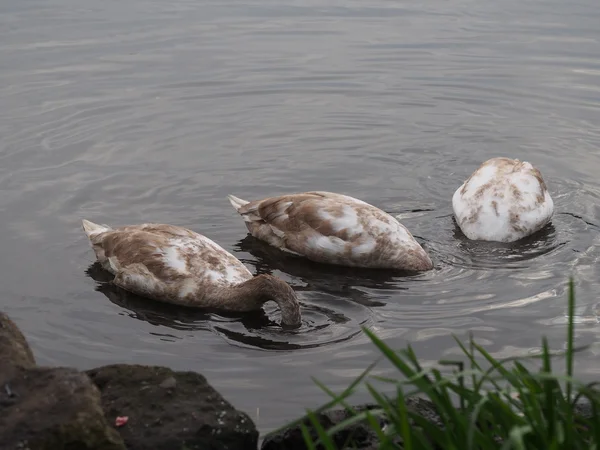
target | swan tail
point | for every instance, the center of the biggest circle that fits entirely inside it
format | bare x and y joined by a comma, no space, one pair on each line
93,229
237,202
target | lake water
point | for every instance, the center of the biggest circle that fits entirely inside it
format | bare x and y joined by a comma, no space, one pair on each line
144,110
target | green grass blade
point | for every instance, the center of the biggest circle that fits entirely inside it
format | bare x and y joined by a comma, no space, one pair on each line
570,334
340,400
384,440
517,435
346,393
473,422
422,382
385,404
431,432
403,425
324,437
595,421
310,444
461,367
570,357
549,391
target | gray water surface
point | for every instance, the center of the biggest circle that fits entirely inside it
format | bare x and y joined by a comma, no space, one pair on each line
143,110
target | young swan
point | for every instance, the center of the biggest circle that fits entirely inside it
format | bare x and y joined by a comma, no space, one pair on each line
334,229
176,265
504,200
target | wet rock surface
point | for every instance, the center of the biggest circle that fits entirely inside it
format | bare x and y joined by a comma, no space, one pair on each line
359,436
14,350
53,409
47,408
110,408
171,410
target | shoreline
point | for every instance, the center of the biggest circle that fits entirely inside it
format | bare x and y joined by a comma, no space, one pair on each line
138,407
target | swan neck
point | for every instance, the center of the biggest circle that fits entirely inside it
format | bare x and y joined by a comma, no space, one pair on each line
265,288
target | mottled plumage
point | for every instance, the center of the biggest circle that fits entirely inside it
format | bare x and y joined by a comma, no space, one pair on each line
176,265
333,228
504,200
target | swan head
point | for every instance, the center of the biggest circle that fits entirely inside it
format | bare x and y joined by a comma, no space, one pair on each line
271,288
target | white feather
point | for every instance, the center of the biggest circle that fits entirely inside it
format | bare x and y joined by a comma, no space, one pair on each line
237,202
347,221
188,287
173,259
92,229
365,248
329,245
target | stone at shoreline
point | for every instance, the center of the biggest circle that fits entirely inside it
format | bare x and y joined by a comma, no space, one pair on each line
358,436
14,350
171,410
47,409
53,409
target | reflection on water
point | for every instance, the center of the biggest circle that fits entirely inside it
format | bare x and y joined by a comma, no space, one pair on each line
259,330
343,282
507,255
157,313
145,111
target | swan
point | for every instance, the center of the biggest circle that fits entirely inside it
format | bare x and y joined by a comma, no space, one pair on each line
504,200
333,228
175,265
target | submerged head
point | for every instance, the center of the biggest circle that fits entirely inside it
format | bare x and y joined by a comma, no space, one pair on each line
408,255
274,289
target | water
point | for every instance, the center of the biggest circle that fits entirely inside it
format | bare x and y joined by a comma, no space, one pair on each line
125,112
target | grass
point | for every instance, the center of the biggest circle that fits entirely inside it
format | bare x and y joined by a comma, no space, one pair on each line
484,403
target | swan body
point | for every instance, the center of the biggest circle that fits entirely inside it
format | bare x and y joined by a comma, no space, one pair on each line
334,229
504,200
176,265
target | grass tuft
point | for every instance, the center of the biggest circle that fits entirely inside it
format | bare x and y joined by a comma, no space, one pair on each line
483,404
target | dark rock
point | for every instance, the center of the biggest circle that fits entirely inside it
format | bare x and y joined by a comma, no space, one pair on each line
42,408
188,414
583,408
52,409
14,350
359,436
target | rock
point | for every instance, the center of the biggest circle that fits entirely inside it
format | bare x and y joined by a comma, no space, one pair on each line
584,409
52,409
187,413
43,408
358,436
169,383
14,350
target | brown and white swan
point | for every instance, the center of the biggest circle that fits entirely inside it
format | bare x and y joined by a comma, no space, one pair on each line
175,265
333,228
504,200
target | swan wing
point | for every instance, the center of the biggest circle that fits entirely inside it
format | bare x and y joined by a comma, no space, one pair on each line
169,254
